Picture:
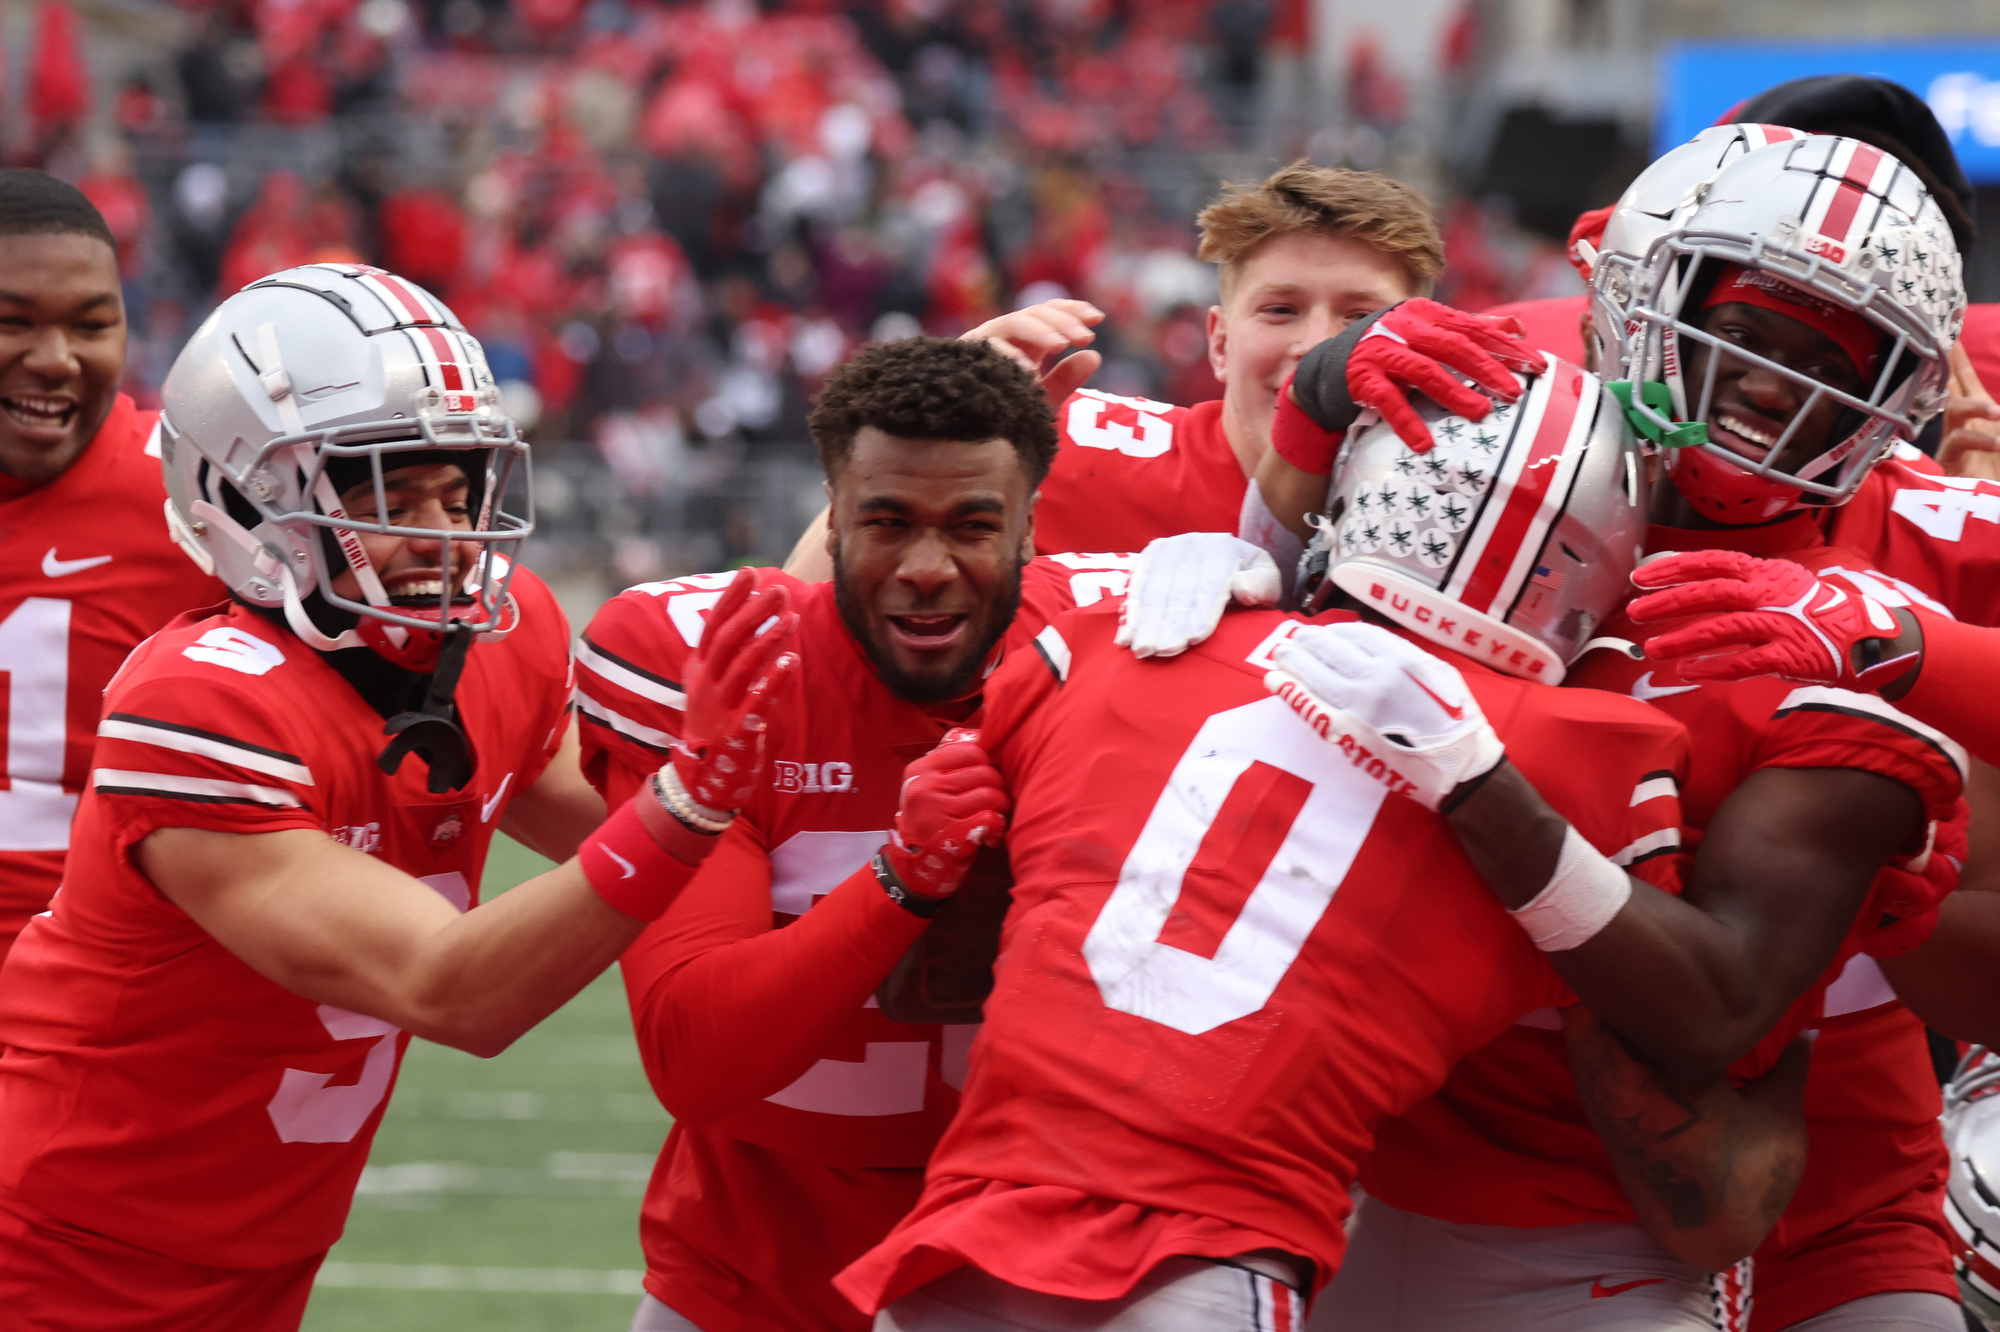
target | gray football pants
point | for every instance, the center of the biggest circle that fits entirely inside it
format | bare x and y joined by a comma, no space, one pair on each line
1180,1295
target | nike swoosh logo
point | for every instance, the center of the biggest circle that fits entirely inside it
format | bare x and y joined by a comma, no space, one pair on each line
55,568
631,869
1644,688
486,807
1456,714
1600,1291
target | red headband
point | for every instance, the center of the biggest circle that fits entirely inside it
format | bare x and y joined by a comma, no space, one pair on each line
1861,340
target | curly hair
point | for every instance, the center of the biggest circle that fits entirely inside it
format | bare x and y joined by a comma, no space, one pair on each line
934,388
1322,201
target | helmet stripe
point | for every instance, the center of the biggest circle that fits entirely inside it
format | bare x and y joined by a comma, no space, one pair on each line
1852,191
448,364
1516,533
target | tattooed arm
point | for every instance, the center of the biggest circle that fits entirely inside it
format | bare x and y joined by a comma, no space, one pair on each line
1708,1169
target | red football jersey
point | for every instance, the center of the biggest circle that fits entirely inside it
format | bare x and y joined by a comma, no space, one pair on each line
156,1089
1935,538
1230,954
753,1208
87,570
1128,470
1506,1142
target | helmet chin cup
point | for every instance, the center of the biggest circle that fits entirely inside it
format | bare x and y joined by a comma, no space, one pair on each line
414,650
1723,493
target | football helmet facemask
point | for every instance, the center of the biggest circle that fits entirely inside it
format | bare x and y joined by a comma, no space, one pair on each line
304,385
1832,231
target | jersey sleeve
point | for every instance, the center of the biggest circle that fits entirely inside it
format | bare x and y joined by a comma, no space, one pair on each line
728,1009
1626,801
630,663
1010,725
1053,585
1814,726
192,751
552,664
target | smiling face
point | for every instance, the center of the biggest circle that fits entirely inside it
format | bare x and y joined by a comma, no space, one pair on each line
427,495
928,538
1751,405
1293,292
62,349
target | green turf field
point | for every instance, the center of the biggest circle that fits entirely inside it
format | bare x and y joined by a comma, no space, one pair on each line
503,1194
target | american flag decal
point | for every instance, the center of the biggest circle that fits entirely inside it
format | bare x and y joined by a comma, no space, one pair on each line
1548,578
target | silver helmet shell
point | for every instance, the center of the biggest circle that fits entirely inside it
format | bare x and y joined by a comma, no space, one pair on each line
1972,1190
304,369
1833,219
1511,540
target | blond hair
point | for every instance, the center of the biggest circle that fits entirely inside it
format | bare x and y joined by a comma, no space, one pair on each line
1322,201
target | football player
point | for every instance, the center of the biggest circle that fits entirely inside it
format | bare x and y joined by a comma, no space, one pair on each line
1241,936
87,569
290,801
1300,256
803,1115
1773,375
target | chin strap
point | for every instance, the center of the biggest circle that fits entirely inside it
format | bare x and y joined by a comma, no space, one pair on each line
432,730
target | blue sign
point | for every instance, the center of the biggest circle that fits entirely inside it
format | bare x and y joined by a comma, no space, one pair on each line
1700,81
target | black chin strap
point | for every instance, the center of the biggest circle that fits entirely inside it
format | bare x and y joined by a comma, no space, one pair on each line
433,730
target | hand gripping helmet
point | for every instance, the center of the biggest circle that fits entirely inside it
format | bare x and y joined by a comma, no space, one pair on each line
1972,1191
1829,228
303,385
1511,541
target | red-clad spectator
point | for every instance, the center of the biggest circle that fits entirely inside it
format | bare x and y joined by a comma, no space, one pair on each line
58,81
423,237
298,91
122,199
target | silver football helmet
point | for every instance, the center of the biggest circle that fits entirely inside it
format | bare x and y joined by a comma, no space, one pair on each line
309,382
1829,223
1972,1191
1510,541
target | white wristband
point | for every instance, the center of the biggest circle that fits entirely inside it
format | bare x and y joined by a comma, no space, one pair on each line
1584,893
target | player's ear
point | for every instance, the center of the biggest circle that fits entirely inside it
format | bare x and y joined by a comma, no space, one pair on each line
1218,341
827,486
1028,528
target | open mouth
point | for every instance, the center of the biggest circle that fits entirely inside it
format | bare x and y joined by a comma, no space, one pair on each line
422,592
43,414
1753,438
928,633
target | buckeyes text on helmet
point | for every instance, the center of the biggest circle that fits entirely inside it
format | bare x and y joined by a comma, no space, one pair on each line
299,388
1511,540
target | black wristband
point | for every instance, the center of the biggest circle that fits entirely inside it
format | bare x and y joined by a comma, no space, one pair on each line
1320,382
915,903
1464,790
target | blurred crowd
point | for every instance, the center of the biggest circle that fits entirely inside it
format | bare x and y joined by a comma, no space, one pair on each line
668,221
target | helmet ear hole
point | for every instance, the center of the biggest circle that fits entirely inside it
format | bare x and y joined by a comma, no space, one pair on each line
239,508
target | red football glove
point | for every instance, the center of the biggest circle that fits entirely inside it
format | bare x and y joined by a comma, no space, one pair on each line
1767,617
953,803
1902,907
733,678
1416,345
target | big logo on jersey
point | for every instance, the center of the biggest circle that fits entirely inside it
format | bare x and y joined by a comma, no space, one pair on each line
1216,956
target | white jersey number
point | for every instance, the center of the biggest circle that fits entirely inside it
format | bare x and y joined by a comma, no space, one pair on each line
1152,435
1942,513
305,1108
1188,878
34,655
1097,576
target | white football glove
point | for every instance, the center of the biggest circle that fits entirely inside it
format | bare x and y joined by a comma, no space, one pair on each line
1180,585
1379,697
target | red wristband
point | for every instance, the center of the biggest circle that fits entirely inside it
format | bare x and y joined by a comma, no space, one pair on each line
1300,440
628,869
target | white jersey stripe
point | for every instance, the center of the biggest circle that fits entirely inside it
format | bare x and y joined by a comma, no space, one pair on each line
613,672
1666,839
118,781
623,725
1653,788
1054,651
235,755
